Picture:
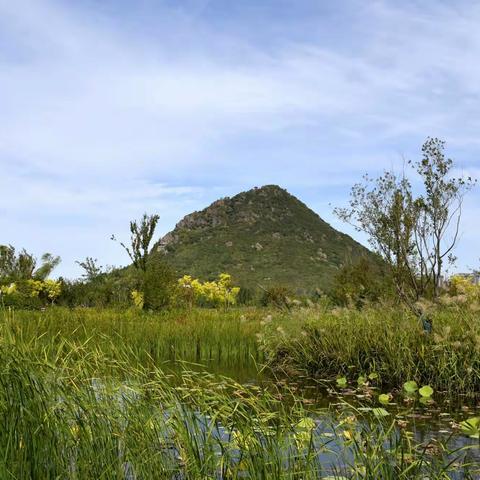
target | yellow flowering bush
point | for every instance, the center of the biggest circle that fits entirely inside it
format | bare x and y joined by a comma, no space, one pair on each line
8,289
138,299
463,287
220,292
52,289
36,290
35,287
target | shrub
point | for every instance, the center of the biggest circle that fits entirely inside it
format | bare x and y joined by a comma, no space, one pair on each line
214,293
276,296
138,299
108,289
359,283
463,289
30,293
246,296
158,284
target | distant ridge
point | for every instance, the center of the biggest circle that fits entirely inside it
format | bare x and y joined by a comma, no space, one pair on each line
263,236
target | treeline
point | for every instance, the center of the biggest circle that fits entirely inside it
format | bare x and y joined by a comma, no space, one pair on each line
413,232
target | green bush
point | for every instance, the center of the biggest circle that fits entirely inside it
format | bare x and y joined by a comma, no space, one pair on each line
111,289
276,296
359,283
246,296
159,284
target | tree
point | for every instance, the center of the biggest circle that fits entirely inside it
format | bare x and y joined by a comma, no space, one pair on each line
415,235
155,280
439,209
23,266
141,236
91,268
49,263
7,262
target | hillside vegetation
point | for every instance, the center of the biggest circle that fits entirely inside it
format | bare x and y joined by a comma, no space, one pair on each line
264,236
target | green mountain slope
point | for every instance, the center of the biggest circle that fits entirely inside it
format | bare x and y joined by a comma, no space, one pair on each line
264,236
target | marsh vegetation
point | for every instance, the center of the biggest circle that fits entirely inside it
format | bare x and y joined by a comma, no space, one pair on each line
109,394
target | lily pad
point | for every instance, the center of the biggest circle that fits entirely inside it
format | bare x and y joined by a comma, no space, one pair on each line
384,398
426,391
471,427
361,380
342,382
306,423
410,386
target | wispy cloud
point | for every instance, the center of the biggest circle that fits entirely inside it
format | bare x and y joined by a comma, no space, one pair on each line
102,118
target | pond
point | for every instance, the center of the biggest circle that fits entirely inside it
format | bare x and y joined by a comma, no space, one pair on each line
433,423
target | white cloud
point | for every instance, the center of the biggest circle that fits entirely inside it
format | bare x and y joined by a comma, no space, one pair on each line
95,121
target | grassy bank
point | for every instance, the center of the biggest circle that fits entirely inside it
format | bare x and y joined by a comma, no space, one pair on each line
390,343
316,342
70,408
198,335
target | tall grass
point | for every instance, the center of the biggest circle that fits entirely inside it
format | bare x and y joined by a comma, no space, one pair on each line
64,413
217,337
316,342
388,342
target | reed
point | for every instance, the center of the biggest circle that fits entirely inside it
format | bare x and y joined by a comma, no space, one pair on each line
197,335
81,406
388,342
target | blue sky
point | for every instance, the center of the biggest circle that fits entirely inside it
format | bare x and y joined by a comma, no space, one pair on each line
112,108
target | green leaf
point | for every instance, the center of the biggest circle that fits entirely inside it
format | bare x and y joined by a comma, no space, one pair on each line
471,427
384,398
426,391
342,382
410,386
380,412
306,423
373,376
361,380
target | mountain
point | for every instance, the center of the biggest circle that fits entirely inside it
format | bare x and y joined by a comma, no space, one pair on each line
264,236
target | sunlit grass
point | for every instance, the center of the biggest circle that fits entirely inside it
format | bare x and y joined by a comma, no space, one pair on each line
197,335
79,400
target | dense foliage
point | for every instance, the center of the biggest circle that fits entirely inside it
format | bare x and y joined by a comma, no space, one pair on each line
23,283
